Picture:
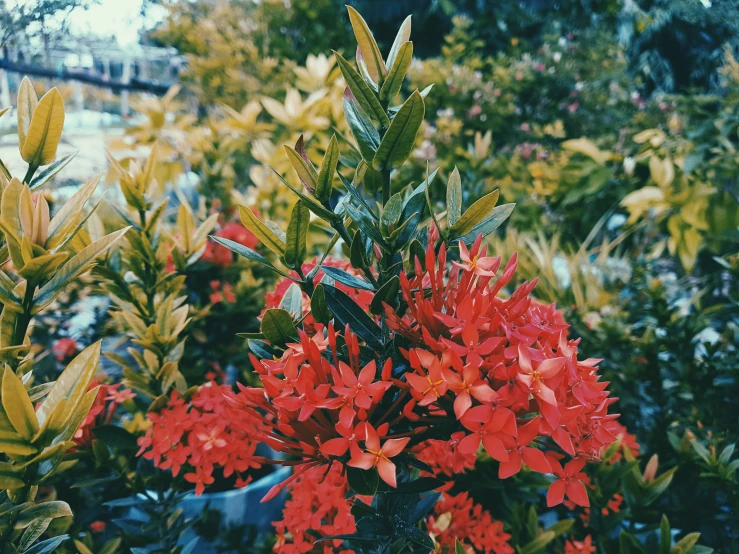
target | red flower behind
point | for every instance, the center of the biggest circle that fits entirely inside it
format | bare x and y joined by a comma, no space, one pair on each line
200,436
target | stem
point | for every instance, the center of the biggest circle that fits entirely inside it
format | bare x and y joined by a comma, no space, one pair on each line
24,319
385,185
29,174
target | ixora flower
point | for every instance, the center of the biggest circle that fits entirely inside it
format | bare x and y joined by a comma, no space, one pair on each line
485,370
198,436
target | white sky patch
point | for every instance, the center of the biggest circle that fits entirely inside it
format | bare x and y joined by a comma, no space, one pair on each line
110,18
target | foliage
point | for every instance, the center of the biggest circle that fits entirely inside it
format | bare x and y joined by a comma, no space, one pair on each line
45,255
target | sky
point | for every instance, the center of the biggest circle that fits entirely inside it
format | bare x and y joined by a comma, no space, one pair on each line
119,18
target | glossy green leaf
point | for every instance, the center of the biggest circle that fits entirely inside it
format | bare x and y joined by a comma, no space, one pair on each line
387,293
348,312
397,143
17,405
278,327
494,220
319,307
367,137
370,50
324,186
297,233
474,215
363,94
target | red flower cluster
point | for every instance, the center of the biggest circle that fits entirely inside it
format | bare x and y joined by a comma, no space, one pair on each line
222,256
317,507
487,370
505,367
585,546
108,398
459,518
200,436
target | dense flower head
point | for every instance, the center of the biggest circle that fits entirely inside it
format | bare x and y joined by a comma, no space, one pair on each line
474,369
318,507
459,518
103,409
201,435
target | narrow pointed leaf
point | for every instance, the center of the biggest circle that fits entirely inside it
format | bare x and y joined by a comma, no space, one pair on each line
399,139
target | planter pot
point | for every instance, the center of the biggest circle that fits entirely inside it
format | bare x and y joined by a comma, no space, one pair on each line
238,507
242,506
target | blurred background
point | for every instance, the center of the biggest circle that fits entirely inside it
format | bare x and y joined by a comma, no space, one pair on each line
612,124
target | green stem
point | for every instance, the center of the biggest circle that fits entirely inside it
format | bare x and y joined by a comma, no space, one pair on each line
24,319
29,174
385,185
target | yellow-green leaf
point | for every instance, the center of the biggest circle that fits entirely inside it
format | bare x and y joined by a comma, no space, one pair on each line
79,263
13,444
370,50
399,139
17,405
71,211
45,130
403,36
305,170
27,102
261,231
73,382
474,215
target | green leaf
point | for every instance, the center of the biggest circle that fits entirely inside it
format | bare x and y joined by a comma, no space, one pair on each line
47,546
346,278
46,510
496,218
665,536
292,303
75,267
454,197
363,94
313,206
278,327
396,75
45,130
247,253
319,307
397,144
33,532
297,234
116,437
387,293
261,231
368,46
348,312
17,405
539,543
458,548
474,215
367,137
50,171
324,186
361,481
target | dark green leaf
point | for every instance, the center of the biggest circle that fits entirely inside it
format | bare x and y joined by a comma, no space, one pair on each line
278,327
361,481
348,312
116,437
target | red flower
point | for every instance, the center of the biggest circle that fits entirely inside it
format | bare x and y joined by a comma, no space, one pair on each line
202,435
222,256
65,348
97,526
580,547
378,456
569,481
522,452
